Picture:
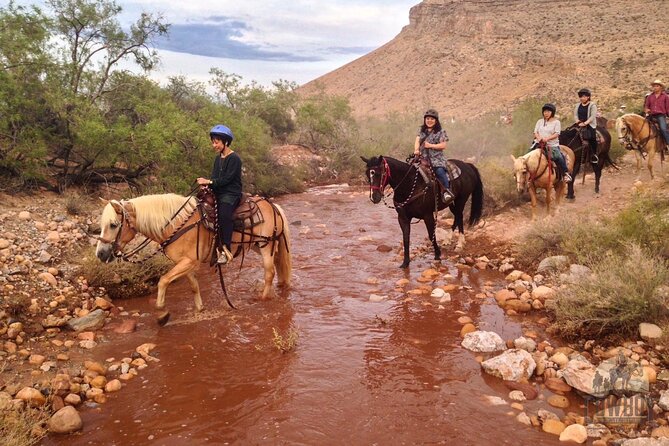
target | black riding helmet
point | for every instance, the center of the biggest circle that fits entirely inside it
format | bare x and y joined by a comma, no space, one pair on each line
584,92
550,107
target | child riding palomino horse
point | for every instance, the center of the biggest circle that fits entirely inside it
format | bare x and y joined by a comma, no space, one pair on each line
640,135
180,227
533,170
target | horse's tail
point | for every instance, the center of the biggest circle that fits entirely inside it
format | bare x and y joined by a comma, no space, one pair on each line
477,198
282,260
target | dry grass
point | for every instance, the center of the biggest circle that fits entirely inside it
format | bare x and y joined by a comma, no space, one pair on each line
287,341
499,185
25,427
124,280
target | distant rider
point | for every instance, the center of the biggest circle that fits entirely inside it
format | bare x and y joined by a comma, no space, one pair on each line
657,107
431,143
547,130
585,115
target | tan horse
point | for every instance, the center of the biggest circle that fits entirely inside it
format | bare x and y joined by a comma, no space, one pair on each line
175,222
635,133
531,171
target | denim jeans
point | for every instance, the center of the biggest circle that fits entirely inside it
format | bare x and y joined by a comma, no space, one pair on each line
557,156
662,122
442,175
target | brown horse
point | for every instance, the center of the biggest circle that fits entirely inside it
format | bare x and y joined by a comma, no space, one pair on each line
637,133
175,222
532,171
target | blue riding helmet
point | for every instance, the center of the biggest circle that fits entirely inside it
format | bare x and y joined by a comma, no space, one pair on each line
222,132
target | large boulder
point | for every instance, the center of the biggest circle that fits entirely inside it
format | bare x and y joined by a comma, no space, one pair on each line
31,396
649,332
512,365
575,433
580,375
483,342
65,421
553,264
92,321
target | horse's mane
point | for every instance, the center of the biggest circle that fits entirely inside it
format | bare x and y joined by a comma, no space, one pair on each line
153,212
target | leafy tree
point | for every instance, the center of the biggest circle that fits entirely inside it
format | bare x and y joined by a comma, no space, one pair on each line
325,122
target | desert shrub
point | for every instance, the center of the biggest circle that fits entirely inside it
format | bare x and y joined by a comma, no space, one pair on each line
23,427
124,280
621,293
499,185
644,223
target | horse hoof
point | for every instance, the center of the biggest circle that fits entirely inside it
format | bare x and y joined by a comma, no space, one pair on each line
404,265
163,318
570,198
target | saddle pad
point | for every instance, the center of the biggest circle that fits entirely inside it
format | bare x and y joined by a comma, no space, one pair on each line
453,170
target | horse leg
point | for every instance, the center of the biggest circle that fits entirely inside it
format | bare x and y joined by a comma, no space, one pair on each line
430,226
651,156
195,286
597,167
405,225
183,267
570,186
459,221
533,201
268,265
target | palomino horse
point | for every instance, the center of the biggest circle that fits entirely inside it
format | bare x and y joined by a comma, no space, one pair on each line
636,133
176,223
414,198
571,137
532,170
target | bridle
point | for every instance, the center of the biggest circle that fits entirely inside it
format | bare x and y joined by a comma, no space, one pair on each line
624,138
383,182
115,243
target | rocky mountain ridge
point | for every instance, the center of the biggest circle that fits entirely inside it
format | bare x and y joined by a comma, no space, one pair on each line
471,57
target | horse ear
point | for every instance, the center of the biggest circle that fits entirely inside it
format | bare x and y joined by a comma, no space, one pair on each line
105,201
366,161
513,158
118,207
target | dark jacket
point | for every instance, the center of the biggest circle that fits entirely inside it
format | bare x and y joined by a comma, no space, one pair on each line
226,178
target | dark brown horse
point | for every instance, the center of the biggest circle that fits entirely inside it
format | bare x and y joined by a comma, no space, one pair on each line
572,138
413,197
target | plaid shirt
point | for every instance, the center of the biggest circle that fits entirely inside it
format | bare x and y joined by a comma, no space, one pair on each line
437,157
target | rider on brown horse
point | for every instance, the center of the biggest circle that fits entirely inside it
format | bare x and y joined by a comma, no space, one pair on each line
656,107
431,143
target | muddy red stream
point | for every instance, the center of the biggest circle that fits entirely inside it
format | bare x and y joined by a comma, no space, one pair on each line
389,372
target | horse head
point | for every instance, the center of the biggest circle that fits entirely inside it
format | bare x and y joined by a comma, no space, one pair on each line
378,176
116,230
623,132
520,172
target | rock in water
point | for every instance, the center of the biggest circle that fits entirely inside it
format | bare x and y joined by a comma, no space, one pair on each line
483,342
512,365
575,433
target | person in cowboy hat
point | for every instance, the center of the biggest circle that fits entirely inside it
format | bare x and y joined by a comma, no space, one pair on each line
431,143
547,130
585,115
656,107
226,182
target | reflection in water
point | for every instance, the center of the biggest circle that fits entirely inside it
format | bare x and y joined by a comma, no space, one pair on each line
391,372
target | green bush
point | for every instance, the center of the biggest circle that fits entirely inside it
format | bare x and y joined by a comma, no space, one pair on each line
621,293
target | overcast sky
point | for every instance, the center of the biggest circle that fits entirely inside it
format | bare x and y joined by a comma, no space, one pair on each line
296,40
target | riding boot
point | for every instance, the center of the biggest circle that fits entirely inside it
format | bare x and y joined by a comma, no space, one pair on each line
448,196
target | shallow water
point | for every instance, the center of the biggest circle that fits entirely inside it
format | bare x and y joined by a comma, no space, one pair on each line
391,372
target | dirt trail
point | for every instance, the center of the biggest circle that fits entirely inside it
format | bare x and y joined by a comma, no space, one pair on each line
618,189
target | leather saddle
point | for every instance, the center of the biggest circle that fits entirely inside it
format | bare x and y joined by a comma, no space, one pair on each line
246,215
655,132
426,171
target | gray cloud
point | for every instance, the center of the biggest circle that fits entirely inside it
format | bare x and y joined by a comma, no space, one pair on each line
218,40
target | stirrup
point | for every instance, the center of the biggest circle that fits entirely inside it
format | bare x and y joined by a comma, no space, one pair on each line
594,159
448,196
224,256
567,178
